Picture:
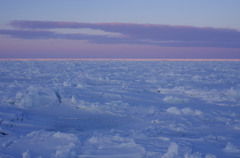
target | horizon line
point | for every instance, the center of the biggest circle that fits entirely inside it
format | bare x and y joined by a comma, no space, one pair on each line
110,59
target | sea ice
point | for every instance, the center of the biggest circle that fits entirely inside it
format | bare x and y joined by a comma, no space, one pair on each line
90,109
230,148
172,151
36,97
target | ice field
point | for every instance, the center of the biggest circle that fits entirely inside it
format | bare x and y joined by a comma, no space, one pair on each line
120,109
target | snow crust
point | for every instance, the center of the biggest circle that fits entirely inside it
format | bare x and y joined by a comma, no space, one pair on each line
119,109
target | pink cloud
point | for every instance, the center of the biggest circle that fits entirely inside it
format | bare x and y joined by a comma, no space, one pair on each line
63,48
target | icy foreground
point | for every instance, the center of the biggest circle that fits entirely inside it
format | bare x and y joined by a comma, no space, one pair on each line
119,109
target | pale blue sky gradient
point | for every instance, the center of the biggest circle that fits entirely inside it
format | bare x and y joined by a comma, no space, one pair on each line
213,13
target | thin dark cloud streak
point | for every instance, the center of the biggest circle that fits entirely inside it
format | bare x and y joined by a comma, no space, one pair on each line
162,35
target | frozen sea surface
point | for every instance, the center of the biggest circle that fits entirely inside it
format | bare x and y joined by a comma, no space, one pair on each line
119,109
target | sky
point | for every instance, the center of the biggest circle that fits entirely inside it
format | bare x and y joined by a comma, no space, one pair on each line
171,29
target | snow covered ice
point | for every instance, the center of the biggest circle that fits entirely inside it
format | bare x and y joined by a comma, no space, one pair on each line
120,109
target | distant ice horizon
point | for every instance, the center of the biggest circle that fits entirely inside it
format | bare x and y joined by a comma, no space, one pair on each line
116,59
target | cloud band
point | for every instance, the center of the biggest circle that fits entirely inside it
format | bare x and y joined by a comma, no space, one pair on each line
162,35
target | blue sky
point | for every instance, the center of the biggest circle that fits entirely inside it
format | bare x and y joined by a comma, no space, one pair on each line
195,15
215,13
